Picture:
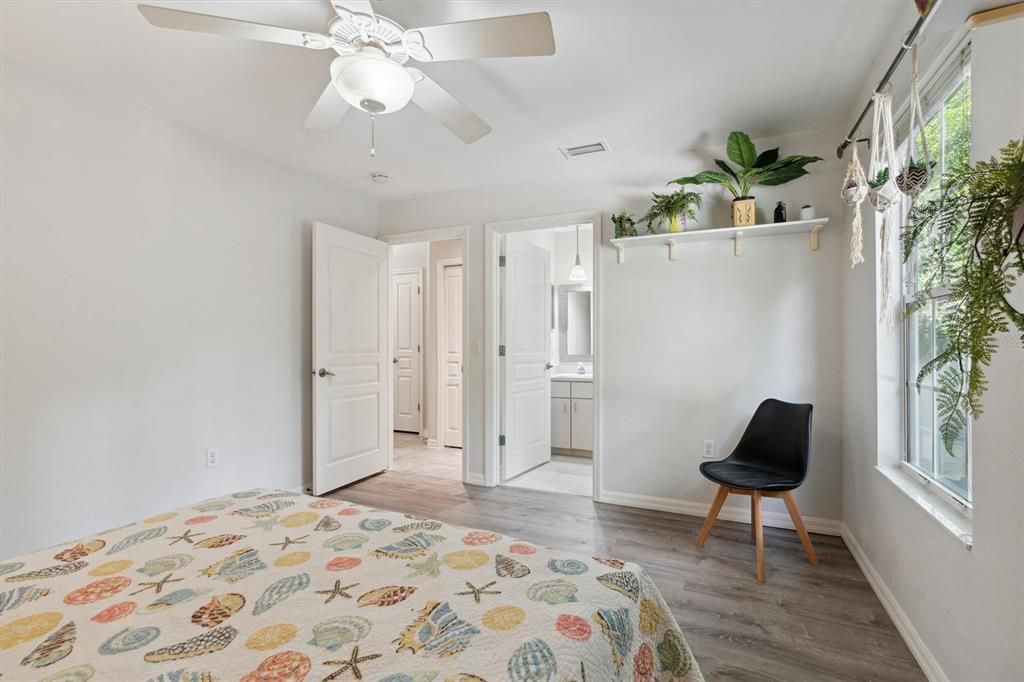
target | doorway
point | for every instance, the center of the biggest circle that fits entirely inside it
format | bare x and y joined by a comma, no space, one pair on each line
425,335
543,296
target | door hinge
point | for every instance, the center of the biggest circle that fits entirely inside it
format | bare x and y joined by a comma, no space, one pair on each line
417,407
501,261
417,290
501,350
501,440
417,348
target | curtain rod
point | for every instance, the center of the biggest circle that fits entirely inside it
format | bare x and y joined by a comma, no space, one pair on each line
904,47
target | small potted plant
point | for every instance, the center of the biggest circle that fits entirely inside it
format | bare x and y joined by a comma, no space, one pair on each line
625,224
672,208
765,168
807,212
914,178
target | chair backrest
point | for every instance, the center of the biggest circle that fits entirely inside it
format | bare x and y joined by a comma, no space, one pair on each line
778,436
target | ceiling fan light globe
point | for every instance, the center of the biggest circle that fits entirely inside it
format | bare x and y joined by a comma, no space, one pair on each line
372,83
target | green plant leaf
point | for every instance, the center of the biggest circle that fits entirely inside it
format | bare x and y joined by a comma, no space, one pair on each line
782,176
795,160
741,150
766,158
726,167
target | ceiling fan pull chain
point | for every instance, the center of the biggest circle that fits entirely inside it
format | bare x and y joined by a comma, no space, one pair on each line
373,141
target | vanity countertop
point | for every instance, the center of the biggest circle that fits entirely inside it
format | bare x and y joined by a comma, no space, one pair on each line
571,376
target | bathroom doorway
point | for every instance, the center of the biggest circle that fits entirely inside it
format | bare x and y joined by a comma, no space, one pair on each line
546,402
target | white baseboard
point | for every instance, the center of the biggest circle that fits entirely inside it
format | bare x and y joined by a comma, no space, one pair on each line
932,670
474,479
675,506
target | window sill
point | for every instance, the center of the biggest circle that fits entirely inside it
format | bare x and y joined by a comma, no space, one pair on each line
956,524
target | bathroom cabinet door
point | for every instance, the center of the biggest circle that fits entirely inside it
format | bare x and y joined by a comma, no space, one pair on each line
583,424
561,423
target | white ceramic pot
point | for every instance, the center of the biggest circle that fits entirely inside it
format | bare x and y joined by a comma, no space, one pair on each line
807,213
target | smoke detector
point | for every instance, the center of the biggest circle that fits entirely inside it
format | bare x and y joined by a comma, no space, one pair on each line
379,178
584,149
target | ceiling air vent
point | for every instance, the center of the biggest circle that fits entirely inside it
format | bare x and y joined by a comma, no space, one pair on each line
584,149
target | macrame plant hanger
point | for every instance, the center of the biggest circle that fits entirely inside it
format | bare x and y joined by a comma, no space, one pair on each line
883,194
855,190
915,175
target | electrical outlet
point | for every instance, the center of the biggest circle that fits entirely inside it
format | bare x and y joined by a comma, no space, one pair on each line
708,450
212,458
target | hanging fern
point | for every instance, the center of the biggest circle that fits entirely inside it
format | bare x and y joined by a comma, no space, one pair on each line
971,237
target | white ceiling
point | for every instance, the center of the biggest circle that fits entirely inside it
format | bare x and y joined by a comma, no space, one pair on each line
649,77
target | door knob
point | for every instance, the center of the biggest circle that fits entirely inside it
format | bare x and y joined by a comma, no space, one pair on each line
394,361
325,373
548,365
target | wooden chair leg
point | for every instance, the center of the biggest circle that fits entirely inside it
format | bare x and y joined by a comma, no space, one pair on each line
758,533
716,507
798,521
752,504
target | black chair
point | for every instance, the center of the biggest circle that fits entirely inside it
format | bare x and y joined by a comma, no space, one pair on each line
769,461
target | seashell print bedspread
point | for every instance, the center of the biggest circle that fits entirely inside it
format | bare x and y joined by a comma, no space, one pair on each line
272,586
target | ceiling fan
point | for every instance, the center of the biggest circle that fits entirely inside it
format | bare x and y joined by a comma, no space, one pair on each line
370,71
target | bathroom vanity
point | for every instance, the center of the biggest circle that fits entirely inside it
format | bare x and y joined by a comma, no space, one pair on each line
572,414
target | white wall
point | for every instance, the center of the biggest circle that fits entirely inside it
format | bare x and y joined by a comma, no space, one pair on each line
963,609
690,347
155,301
407,256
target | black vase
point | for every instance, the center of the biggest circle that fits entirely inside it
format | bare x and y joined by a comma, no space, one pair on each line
780,212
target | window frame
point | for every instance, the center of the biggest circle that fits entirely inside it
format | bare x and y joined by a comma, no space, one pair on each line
908,340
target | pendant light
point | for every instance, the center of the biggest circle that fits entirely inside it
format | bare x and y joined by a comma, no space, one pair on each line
577,274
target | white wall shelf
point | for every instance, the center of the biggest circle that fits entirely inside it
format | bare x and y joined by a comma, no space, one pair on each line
737,234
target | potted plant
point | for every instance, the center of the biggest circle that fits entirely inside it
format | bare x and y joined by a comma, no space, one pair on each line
672,208
765,168
974,234
880,179
914,178
625,224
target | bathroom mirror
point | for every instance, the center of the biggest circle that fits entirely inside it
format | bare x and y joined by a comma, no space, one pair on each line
575,326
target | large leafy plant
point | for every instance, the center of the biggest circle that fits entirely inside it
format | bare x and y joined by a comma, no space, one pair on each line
970,238
668,207
765,168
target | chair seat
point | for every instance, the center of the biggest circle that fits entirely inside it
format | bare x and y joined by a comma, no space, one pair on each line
747,477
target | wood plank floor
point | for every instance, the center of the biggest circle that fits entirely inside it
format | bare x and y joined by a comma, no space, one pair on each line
805,623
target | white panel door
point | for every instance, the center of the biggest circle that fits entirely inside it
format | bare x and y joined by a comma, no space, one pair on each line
406,302
526,418
450,342
351,396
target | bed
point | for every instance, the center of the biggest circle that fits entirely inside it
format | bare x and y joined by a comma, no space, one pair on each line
267,585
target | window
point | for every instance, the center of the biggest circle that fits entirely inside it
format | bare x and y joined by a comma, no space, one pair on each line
948,132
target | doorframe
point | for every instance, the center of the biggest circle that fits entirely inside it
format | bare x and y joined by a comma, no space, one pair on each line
438,356
468,269
493,231
419,343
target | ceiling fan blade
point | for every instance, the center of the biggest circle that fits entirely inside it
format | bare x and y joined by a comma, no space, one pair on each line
520,35
439,103
328,110
236,28
358,7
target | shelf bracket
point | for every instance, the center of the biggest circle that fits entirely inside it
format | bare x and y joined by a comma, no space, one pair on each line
737,247
671,249
621,253
815,238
